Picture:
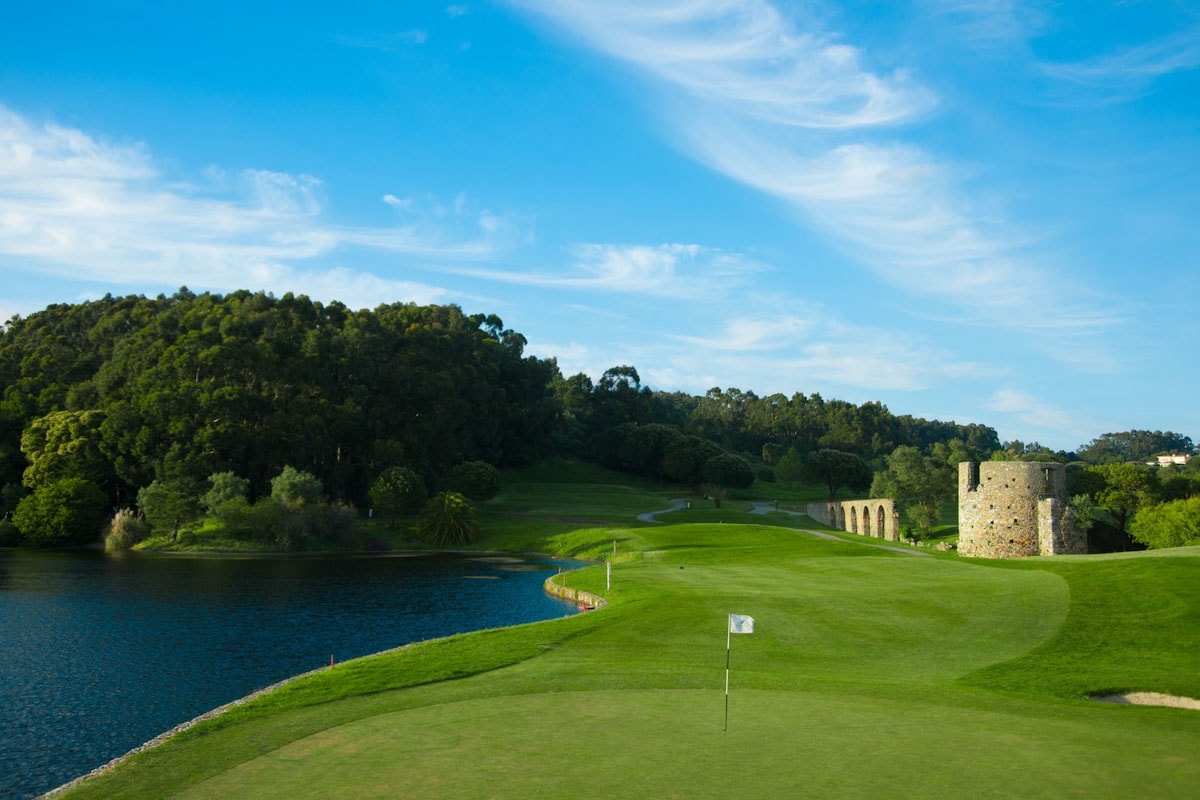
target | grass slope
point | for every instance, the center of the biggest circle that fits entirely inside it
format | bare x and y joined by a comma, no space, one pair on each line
871,673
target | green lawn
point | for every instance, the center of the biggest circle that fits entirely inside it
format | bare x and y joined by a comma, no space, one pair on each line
871,673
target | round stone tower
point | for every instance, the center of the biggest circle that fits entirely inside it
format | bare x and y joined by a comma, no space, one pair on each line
1010,509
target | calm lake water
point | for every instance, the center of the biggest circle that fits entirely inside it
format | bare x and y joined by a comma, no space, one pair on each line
101,653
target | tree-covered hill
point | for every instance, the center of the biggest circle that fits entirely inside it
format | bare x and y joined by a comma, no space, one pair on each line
122,392
125,391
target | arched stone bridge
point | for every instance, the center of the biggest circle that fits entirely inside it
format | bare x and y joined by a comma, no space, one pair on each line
877,517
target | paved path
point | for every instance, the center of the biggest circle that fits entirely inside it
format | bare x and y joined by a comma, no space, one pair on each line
676,505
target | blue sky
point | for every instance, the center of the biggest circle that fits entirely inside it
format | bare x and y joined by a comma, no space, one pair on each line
978,211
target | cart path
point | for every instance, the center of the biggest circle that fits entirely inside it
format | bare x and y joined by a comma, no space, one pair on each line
676,505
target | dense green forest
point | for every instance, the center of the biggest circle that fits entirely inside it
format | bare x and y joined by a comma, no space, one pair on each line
107,404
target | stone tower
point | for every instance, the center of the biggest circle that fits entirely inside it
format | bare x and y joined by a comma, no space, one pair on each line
1010,509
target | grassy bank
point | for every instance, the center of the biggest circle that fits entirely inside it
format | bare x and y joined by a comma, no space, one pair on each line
872,672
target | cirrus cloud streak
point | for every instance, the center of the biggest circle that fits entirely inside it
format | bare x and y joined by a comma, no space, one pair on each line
673,270
797,114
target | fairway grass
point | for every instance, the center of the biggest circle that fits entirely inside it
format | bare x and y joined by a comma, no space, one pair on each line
871,673
670,744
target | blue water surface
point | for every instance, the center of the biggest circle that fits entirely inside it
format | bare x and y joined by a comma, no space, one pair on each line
100,653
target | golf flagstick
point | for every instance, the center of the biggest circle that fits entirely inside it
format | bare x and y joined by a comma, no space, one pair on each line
738,623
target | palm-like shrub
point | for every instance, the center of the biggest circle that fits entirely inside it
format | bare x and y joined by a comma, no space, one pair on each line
448,519
125,530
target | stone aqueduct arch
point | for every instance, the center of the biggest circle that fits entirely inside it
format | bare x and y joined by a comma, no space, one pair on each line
877,517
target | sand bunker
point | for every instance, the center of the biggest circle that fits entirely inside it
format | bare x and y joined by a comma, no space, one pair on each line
1150,699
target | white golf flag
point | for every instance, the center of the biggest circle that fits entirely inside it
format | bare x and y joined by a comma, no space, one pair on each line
740,623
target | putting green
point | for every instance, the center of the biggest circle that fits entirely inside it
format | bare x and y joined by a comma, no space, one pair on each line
670,744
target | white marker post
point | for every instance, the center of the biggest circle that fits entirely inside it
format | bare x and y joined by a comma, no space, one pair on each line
608,573
738,623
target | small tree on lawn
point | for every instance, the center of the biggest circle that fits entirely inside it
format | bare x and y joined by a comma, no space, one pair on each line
293,487
725,472
397,490
448,519
168,504
1127,488
921,485
224,487
684,459
835,469
789,469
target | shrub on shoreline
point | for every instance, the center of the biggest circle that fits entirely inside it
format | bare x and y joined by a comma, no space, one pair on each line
125,530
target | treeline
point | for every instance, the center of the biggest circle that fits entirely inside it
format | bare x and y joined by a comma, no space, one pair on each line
756,427
122,394
1130,504
1115,448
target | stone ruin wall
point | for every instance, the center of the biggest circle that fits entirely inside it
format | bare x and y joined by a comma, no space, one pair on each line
877,517
1057,533
1012,509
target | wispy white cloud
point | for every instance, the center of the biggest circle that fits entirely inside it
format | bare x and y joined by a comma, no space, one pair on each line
458,10
991,22
354,288
575,357
766,342
1035,414
754,334
1129,73
899,213
75,205
770,350
799,115
387,42
781,351
834,366
666,270
398,203
282,195
745,56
